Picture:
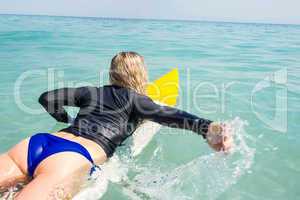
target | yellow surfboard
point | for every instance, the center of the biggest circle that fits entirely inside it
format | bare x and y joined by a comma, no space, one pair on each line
165,90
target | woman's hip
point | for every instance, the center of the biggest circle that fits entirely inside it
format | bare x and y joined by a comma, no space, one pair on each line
45,151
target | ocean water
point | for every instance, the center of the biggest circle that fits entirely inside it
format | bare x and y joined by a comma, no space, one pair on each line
246,74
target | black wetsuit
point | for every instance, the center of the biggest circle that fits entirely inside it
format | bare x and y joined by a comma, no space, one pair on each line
109,114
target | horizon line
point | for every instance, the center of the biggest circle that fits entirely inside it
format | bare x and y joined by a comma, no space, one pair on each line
156,19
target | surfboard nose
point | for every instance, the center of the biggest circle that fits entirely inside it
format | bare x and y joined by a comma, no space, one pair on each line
165,89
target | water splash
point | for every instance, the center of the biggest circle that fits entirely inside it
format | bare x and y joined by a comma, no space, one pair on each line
11,192
95,186
205,177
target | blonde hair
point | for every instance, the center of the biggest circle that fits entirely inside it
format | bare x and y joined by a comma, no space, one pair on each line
127,69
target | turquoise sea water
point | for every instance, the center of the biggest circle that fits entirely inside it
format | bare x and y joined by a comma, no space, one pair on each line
248,74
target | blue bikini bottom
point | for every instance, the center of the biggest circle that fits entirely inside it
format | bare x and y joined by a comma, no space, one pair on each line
43,145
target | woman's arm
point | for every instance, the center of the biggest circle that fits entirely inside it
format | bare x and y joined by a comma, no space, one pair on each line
53,101
145,108
218,135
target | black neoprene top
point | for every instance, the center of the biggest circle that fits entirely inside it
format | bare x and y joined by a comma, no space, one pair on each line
109,114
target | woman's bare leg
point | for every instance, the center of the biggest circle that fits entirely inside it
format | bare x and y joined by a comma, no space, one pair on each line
13,166
10,174
57,177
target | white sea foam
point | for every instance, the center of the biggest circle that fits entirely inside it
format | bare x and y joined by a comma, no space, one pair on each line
205,177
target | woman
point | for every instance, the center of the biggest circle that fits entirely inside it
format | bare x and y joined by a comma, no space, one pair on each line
54,165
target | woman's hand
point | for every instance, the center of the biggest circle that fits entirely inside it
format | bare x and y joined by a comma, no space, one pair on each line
219,136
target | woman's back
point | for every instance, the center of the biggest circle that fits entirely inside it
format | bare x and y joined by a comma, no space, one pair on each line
103,116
